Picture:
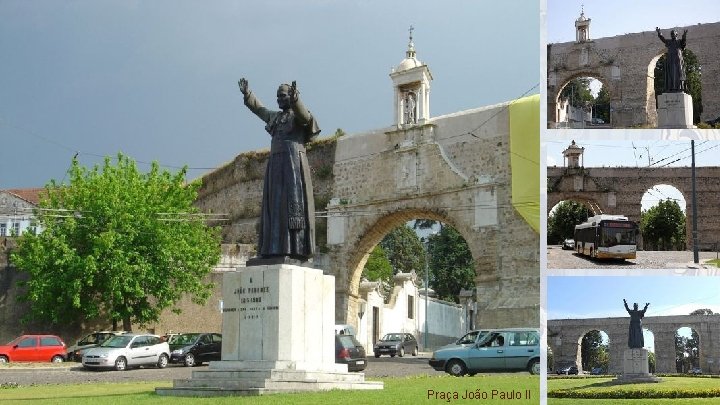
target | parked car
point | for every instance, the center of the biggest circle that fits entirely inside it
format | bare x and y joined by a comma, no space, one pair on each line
349,351
597,371
568,244
695,371
567,369
34,348
75,352
129,350
498,350
396,344
470,337
193,349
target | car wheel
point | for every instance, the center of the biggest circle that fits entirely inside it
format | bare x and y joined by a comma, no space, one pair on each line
162,361
534,367
189,360
120,364
401,352
4,359
415,351
392,354
456,368
377,355
57,359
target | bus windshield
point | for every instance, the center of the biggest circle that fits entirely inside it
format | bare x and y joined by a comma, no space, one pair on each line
617,234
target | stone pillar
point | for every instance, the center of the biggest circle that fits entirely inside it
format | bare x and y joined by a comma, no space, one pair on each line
617,344
665,349
675,110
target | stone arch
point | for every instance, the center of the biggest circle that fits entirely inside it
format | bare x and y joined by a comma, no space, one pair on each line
584,332
596,74
376,230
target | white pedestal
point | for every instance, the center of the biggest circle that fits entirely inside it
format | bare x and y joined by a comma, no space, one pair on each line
636,368
675,110
278,336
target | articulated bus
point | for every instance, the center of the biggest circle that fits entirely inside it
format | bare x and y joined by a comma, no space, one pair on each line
607,237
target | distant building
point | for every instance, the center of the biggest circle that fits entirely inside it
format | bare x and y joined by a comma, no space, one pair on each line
16,210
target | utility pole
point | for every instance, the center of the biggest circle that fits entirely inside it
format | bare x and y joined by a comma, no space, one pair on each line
696,258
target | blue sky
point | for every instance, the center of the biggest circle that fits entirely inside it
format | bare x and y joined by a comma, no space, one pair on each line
617,17
570,297
157,80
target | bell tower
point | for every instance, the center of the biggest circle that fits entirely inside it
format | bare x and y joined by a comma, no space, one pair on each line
411,85
582,27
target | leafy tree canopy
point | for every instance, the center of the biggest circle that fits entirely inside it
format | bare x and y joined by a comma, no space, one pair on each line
116,243
451,264
561,222
404,250
378,268
702,311
663,226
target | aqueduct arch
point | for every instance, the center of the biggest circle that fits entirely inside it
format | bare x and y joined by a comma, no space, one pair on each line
619,190
625,63
564,335
475,170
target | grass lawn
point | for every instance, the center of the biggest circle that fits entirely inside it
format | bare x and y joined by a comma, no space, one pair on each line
714,262
510,388
599,386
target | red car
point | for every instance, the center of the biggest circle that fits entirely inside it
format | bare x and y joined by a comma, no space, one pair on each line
34,348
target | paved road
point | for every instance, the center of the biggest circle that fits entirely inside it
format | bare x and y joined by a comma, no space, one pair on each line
72,373
568,259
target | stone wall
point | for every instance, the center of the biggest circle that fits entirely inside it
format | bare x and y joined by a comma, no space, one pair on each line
625,65
564,337
619,190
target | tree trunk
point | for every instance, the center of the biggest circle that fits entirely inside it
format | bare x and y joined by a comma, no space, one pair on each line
127,326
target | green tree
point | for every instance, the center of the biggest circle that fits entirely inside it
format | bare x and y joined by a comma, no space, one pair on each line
651,362
593,351
378,268
116,243
561,222
703,311
663,226
687,351
451,264
601,105
404,250
692,84
578,92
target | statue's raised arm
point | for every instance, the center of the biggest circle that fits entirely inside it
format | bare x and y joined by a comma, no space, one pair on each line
243,84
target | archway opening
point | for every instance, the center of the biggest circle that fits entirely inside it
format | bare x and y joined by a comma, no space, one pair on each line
562,220
595,352
583,102
687,351
416,273
693,83
649,338
663,220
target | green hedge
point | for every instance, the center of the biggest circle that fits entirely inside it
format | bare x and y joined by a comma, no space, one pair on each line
621,393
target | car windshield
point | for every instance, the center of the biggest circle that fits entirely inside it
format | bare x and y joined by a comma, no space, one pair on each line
392,337
117,341
184,339
14,341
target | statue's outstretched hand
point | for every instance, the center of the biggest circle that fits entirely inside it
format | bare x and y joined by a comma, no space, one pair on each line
294,93
243,84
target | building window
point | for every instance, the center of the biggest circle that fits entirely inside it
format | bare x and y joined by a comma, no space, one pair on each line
3,229
411,307
16,228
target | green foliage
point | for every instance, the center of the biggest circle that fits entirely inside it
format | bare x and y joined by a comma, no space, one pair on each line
601,105
578,92
594,353
703,311
663,226
404,250
378,268
651,362
687,352
692,84
451,264
561,222
116,243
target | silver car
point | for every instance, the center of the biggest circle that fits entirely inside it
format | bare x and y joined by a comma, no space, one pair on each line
124,351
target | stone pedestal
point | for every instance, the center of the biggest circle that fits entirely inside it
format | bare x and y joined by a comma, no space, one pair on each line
675,110
635,368
278,336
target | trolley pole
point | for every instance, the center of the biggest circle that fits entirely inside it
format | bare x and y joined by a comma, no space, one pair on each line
696,258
